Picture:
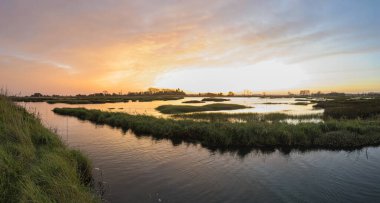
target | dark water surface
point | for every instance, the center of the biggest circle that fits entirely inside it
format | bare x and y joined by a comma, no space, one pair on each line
139,169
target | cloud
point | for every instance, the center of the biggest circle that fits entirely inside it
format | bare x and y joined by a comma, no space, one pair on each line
128,44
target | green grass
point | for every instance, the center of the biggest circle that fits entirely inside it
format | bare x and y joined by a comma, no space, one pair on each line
175,109
96,99
35,166
335,134
350,108
214,99
246,117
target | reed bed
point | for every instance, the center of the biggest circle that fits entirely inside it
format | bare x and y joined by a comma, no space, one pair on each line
335,134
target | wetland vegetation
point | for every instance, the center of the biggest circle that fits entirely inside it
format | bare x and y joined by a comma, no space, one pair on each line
350,108
215,99
175,109
332,133
35,166
193,102
246,117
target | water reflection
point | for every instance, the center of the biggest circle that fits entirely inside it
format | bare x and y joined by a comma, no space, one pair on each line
259,105
232,150
140,168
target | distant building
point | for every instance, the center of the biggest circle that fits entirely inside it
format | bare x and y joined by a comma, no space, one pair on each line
305,92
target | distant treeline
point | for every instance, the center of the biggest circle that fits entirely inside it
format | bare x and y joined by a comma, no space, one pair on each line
149,92
179,92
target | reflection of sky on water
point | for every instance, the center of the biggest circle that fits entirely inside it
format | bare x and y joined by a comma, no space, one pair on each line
283,105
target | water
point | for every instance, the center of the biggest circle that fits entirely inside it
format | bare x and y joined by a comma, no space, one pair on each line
258,106
139,169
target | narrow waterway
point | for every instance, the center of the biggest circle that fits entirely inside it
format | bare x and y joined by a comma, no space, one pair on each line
140,169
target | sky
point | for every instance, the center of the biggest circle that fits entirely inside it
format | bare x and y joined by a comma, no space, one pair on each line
86,46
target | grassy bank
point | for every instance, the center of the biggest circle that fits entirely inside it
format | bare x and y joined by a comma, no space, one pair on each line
336,134
96,99
175,109
246,117
35,166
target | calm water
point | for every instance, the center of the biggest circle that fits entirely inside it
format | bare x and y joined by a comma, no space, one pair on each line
284,105
139,169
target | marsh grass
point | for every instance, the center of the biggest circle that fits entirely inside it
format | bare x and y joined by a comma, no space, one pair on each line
334,134
175,109
193,102
246,117
350,109
301,103
214,99
35,166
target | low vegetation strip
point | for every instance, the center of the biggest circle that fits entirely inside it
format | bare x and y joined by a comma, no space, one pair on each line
348,108
35,166
193,102
175,109
215,99
96,99
336,134
246,117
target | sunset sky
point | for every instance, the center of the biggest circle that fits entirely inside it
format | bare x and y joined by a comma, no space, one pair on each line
85,46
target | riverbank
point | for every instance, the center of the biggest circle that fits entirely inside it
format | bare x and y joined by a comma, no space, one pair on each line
334,134
35,166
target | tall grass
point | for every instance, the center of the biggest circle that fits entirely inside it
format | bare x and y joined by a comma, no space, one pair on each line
175,109
336,134
35,166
